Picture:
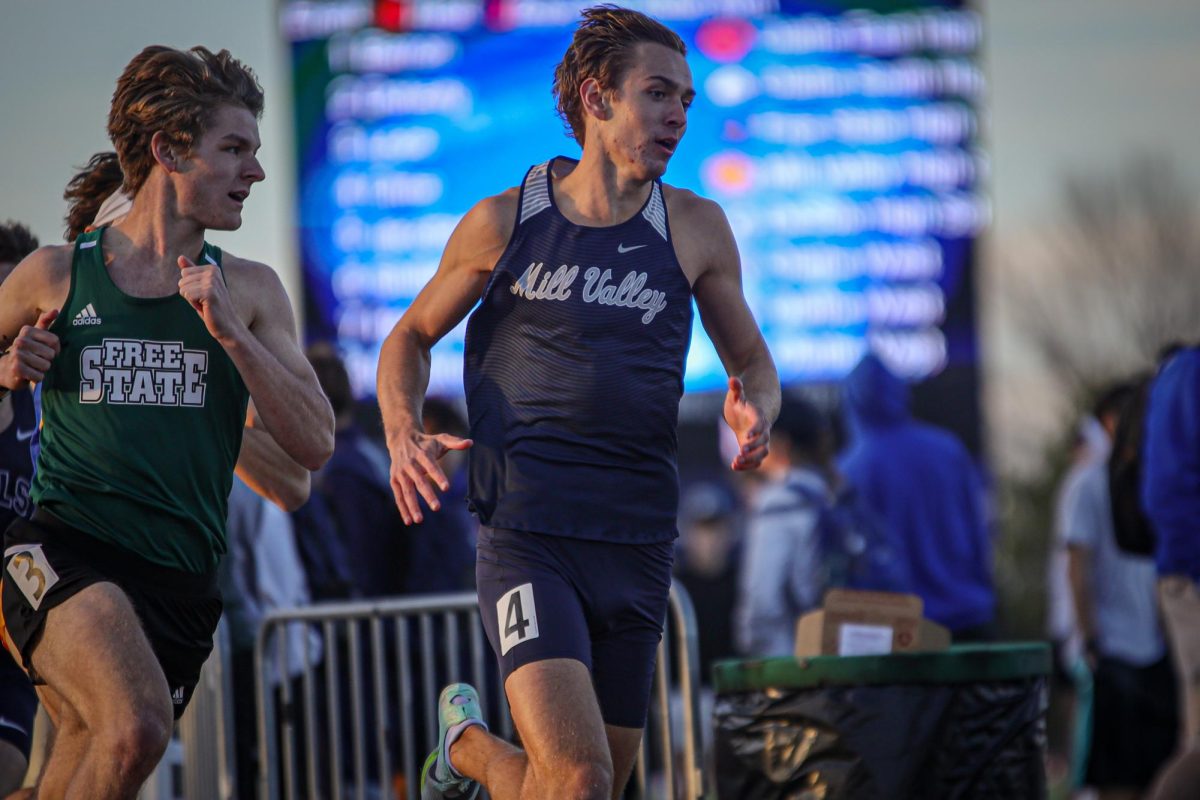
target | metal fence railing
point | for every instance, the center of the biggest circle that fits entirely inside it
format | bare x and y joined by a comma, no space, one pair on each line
198,763
357,721
346,704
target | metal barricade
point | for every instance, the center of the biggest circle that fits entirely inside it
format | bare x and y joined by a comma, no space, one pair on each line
359,723
198,763
206,728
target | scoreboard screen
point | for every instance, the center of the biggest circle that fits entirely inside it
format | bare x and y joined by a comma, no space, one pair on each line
841,139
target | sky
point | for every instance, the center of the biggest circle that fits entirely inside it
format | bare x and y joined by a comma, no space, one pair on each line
1077,85
1074,86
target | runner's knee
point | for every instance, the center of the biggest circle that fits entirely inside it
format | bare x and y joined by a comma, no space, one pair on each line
582,780
136,741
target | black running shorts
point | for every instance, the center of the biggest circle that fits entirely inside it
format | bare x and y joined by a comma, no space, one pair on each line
46,562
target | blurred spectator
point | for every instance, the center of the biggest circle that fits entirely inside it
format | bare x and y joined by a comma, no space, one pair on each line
356,496
1133,721
18,425
707,566
1171,501
1090,447
327,563
441,548
923,483
261,572
781,575
1066,715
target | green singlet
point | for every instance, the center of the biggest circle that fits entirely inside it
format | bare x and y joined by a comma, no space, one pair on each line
142,417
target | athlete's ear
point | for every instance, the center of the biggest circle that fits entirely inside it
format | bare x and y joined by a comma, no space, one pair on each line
164,152
594,102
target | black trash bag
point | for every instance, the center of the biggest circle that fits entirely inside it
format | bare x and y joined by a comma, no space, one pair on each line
994,743
885,742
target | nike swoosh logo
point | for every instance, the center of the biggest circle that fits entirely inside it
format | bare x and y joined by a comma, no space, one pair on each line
621,248
24,435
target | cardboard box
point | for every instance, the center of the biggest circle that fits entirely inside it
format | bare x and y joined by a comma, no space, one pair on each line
856,623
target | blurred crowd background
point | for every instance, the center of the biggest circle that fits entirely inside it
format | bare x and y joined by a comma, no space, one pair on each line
1086,272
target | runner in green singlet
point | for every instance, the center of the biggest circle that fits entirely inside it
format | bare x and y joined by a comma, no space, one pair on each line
149,343
95,200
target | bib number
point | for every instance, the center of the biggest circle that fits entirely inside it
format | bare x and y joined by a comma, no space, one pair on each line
517,616
31,572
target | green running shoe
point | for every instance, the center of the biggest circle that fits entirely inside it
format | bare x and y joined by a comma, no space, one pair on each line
458,709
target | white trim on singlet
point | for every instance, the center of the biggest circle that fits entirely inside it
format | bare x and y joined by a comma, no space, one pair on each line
537,192
656,213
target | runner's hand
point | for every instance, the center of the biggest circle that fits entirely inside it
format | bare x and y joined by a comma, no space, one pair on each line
415,470
204,287
28,360
747,421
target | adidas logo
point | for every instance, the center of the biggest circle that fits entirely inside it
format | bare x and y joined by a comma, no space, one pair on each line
177,696
86,316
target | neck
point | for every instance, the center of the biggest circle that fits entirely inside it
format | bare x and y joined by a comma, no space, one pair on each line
598,192
153,234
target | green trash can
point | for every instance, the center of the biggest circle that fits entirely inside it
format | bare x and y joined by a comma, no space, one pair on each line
968,722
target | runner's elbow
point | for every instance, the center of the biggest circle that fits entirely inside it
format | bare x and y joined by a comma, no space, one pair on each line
294,493
318,454
324,439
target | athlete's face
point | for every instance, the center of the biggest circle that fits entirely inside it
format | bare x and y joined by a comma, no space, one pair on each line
215,178
649,110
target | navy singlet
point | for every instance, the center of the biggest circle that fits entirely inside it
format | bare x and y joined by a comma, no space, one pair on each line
573,373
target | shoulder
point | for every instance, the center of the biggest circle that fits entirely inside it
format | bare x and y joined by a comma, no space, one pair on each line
688,209
701,235
495,215
255,287
49,263
488,225
43,276
243,271
1179,368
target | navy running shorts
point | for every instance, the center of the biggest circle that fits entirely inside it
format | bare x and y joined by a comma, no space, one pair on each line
46,562
601,603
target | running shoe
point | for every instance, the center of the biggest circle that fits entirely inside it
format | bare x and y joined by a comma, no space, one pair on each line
458,709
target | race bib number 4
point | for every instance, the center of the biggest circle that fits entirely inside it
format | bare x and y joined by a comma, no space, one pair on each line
517,616
31,572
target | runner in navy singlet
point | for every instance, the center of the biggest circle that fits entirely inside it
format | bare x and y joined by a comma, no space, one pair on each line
581,279
18,701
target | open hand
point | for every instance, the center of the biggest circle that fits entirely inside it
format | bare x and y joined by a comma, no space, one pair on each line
415,470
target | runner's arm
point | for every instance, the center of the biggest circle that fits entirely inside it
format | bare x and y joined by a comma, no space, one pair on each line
282,384
29,300
403,375
268,470
752,401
